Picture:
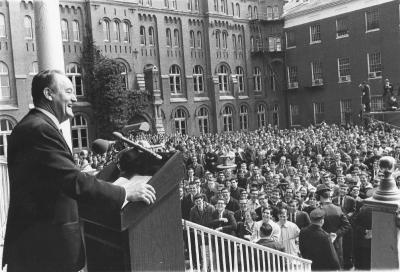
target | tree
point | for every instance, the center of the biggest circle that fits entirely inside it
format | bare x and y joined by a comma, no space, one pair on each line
113,104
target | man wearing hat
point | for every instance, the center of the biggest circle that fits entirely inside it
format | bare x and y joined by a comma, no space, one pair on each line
335,221
315,244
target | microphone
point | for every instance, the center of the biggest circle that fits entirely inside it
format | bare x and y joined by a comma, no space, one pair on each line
143,126
131,143
101,146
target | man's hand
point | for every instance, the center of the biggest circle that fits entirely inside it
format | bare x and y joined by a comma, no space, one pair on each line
223,219
139,190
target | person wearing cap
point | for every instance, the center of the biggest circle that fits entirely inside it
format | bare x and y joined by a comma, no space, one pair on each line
316,245
335,221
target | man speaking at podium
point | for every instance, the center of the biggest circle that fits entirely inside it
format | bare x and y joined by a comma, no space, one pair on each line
43,231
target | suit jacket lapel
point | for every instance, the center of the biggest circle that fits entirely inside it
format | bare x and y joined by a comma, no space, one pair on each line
48,120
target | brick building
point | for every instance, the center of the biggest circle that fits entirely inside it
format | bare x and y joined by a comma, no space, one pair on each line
332,47
210,66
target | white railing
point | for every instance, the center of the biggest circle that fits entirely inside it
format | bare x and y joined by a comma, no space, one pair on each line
4,198
211,250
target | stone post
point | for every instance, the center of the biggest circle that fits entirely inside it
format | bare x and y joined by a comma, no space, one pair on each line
49,44
385,205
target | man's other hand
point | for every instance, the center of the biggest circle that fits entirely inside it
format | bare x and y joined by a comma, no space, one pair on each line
140,191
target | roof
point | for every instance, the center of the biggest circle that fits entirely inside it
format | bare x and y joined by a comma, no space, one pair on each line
307,6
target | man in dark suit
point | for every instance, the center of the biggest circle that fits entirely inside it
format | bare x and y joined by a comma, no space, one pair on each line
43,229
300,218
231,203
187,201
316,245
335,221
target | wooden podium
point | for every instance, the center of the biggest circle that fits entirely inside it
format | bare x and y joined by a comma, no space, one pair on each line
139,237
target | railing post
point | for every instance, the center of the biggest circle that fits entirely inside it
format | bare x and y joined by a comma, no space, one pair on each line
385,205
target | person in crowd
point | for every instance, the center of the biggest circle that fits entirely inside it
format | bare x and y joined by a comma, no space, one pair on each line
316,245
267,219
240,214
235,189
262,199
252,203
231,203
187,202
289,233
246,228
335,221
365,96
300,218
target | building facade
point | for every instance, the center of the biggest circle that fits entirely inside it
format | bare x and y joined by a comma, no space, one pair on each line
332,47
210,66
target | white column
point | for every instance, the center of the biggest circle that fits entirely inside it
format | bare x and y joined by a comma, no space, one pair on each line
49,44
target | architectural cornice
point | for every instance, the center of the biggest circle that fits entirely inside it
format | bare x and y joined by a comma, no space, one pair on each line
314,13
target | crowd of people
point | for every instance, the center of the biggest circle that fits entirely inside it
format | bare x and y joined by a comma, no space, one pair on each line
270,185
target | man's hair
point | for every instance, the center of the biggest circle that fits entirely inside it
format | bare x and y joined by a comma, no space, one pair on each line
265,230
44,79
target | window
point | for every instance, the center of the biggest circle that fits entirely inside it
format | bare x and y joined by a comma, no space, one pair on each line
125,30
216,5
345,111
74,73
199,40
106,30
218,39
261,116
257,79
316,73
240,42
116,31
294,115
272,79
372,20
344,69
6,128
237,10
141,2
274,44
176,38
292,77
2,26
290,39
234,44
270,14
180,121
315,34
189,4
252,46
124,74
275,115
276,12
64,30
377,103
151,36
142,33
224,6
34,68
255,13
169,39
28,28
150,3
249,12
75,31
203,120
374,65
227,117
224,40
196,4
198,79
175,79
244,117
342,27
223,75
79,132
319,113
192,39
240,79
173,2
166,3
233,9
5,92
